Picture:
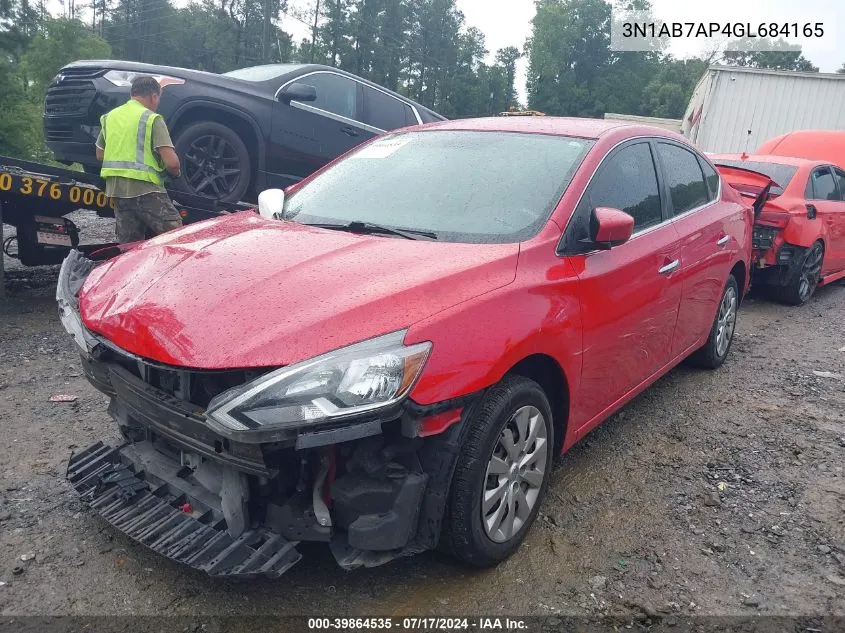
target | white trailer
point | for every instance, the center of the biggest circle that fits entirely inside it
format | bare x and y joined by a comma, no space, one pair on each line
735,109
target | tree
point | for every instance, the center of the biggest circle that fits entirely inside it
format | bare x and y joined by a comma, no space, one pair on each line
841,69
60,42
506,58
571,68
668,93
774,58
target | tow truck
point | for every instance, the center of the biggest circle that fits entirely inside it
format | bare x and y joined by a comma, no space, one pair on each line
35,198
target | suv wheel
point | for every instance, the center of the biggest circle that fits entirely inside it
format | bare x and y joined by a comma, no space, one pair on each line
715,350
215,162
803,284
502,473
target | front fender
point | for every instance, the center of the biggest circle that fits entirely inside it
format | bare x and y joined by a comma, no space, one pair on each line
476,343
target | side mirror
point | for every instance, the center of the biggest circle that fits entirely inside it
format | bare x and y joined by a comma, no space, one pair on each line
610,227
298,92
271,203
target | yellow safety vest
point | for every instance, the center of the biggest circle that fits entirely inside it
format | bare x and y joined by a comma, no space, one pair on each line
128,133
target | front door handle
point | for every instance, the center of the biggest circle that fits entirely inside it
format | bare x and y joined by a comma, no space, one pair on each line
668,268
349,131
723,240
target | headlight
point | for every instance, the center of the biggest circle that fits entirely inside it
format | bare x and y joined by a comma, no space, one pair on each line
358,379
124,78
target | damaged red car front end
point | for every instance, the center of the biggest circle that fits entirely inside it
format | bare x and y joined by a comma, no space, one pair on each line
236,466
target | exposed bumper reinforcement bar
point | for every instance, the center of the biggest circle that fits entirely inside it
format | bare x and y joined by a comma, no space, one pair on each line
171,522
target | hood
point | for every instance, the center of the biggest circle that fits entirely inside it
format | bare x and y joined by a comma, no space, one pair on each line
243,291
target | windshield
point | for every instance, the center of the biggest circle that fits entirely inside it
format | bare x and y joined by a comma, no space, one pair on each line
462,186
780,174
262,73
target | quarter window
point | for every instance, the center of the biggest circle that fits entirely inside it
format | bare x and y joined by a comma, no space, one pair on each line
383,111
822,186
711,177
628,181
840,178
684,177
335,94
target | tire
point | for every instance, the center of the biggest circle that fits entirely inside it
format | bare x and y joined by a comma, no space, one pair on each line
465,532
714,352
804,282
215,162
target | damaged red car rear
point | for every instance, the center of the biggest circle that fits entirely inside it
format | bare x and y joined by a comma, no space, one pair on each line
389,359
799,234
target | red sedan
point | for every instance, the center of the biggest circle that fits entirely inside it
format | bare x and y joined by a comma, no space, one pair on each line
799,236
389,356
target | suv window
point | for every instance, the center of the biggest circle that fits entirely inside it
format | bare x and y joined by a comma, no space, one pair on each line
383,111
822,186
335,93
684,177
628,181
840,176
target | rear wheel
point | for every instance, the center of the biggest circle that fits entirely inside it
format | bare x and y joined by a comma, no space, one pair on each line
715,350
215,162
805,280
501,474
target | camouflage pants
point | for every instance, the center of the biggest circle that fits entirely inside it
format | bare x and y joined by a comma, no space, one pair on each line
151,213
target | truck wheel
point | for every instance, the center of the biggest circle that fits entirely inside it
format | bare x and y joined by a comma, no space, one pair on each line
715,350
501,474
215,162
803,283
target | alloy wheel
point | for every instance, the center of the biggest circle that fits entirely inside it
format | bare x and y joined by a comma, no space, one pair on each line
515,474
727,321
810,271
212,167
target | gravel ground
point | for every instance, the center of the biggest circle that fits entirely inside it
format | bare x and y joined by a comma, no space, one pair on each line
717,493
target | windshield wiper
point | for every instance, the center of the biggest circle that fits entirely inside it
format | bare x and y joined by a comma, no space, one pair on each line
357,226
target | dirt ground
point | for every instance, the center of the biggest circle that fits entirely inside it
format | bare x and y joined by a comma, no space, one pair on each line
717,493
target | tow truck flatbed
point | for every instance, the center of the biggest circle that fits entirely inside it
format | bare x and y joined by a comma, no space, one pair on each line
35,197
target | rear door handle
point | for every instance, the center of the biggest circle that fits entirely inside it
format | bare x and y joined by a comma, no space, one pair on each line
723,240
350,131
668,268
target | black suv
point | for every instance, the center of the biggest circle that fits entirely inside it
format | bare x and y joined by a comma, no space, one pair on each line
236,133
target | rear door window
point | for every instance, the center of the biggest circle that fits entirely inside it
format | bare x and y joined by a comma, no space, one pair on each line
384,111
687,188
822,186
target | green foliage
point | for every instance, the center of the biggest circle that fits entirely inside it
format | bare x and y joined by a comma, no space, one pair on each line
58,43
773,58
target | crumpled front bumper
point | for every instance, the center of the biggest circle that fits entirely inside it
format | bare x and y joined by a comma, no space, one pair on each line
170,520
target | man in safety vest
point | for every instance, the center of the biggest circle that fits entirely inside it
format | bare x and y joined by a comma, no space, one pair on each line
136,149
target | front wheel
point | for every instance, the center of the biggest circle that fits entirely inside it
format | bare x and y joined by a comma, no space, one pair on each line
805,280
215,162
715,350
501,474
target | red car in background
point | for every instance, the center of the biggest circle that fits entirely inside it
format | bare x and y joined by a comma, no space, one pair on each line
799,235
823,145
389,357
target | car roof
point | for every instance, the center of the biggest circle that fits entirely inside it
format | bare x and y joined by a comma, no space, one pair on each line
827,145
769,158
554,125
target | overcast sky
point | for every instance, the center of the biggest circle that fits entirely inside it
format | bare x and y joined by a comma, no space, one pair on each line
508,23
